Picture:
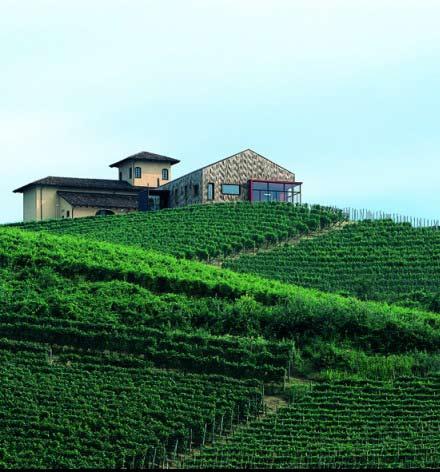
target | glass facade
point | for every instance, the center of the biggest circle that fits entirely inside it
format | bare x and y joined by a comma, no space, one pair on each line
264,191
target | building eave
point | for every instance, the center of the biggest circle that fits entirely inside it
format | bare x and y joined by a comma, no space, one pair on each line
80,184
145,157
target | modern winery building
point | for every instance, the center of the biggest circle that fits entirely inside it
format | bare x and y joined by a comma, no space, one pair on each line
145,183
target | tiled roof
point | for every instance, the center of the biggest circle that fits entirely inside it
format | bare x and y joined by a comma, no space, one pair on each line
100,200
99,184
147,157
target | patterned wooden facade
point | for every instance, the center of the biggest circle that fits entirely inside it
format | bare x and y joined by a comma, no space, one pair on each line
239,169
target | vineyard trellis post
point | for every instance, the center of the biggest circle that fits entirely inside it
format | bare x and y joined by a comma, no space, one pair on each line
232,418
204,434
175,450
213,431
154,457
164,457
355,214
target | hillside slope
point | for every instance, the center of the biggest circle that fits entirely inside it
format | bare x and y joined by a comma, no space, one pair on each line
91,329
376,260
200,231
365,425
71,410
130,288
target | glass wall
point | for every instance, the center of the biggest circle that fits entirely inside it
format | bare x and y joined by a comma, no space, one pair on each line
265,191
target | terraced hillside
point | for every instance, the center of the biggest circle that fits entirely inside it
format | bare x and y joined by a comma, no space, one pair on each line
339,425
378,260
118,356
200,231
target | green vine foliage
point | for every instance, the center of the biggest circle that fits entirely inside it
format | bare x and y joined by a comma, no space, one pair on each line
113,354
200,231
372,260
64,410
341,424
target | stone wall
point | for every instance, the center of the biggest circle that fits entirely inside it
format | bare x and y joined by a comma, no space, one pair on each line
182,189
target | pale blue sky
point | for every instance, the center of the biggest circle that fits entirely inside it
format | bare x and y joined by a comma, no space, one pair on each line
346,93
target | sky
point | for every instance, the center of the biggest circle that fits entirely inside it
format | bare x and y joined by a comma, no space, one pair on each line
345,93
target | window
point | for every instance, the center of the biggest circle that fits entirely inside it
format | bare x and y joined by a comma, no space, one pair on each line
230,189
196,190
130,173
137,173
165,174
210,191
120,175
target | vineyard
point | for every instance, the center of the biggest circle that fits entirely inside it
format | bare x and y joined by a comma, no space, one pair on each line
378,260
81,411
118,351
364,425
212,300
200,231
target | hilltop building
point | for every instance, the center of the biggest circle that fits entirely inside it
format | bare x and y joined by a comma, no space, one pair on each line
145,184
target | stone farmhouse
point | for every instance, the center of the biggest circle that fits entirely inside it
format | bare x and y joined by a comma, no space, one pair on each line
145,184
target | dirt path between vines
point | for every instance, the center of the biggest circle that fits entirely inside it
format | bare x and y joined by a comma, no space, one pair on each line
272,403
269,247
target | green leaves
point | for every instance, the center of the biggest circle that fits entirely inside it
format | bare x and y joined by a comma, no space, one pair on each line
96,411
372,260
201,231
125,286
339,425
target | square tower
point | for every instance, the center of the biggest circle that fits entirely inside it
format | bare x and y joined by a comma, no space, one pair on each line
145,169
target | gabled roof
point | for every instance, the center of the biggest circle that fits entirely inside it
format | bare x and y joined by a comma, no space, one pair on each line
100,200
221,160
99,184
146,157
244,150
